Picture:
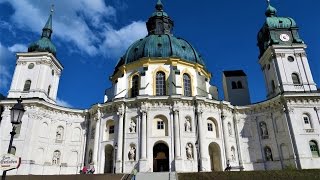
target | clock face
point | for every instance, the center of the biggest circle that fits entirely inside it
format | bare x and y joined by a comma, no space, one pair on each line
284,37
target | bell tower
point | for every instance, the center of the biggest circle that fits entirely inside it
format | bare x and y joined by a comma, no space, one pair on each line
37,72
283,58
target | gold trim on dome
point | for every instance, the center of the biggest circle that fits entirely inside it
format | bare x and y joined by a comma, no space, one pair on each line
145,62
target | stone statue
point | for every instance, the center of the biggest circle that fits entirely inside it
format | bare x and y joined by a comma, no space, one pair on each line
188,125
132,154
268,154
189,151
59,133
132,127
229,129
56,158
263,128
90,156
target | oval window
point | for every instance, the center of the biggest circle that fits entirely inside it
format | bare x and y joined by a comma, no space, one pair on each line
30,66
290,58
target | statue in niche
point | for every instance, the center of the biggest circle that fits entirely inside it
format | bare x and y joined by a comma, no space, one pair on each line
90,156
268,154
93,132
229,129
59,133
264,130
189,151
187,124
132,127
56,158
132,154
233,154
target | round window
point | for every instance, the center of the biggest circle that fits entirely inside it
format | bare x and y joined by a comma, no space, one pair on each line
290,58
31,66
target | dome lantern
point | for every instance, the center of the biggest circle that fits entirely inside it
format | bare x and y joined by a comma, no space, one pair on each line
159,23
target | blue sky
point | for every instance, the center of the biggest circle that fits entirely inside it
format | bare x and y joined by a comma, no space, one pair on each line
91,35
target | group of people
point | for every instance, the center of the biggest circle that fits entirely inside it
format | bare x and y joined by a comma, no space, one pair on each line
86,170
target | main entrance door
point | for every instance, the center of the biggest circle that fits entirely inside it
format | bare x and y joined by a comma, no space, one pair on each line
160,158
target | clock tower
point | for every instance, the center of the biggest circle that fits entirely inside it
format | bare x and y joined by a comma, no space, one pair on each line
282,56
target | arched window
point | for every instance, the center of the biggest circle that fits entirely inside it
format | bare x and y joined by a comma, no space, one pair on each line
234,85
187,85
160,84
268,154
49,89
27,85
295,78
135,86
314,148
306,121
239,85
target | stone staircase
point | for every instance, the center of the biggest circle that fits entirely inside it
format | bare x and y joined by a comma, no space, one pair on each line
156,176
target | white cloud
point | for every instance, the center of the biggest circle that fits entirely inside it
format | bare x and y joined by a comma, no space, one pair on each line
63,103
5,75
18,48
79,22
117,41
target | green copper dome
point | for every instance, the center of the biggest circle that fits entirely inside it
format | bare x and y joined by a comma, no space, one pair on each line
161,46
160,43
44,44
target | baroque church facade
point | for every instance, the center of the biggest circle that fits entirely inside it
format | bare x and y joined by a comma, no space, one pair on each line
162,114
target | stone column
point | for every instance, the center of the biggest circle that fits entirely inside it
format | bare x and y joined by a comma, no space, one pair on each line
119,142
202,143
177,142
144,136
143,158
226,136
177,134
96,139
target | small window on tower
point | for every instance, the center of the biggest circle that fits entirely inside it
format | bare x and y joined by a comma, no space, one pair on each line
160,125
239,85
52,72
295,78
111,130
234,85
27,85
210,128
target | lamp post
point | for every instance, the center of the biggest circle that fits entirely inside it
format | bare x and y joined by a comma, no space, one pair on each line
16,112
114,158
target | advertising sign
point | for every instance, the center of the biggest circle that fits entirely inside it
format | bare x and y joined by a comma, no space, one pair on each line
9,162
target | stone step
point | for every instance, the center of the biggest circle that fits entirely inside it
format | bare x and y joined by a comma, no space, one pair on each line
156,176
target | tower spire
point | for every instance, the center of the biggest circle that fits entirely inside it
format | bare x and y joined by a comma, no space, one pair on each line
47,29
271,11
159,6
